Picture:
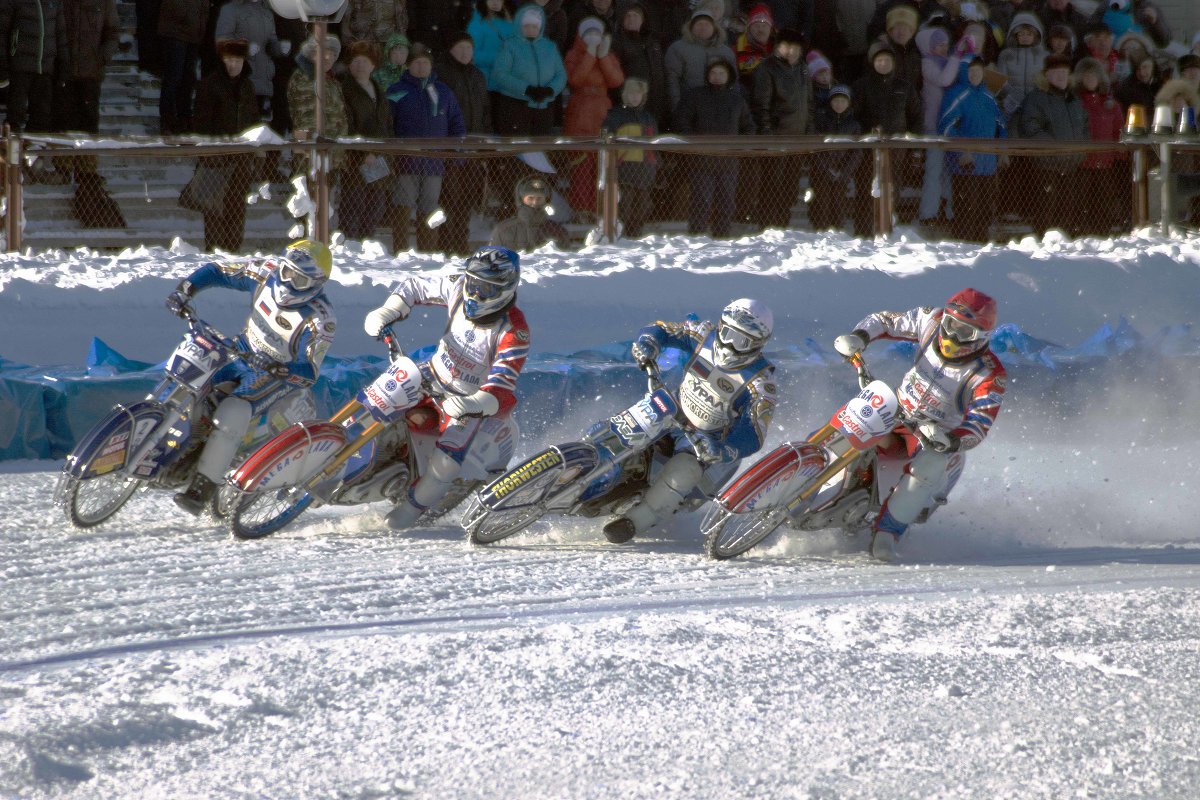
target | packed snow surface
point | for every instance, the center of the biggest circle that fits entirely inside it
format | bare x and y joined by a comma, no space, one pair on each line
1038,638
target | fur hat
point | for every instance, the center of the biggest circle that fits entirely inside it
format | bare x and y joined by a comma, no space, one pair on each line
903,13
239,48
1178,86
1056,61
332,44
1092,65
531,184
760,13
790,36
419,51
368,50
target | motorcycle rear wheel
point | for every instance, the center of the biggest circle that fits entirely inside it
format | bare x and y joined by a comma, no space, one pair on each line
91,501
728,535
487,527
260,515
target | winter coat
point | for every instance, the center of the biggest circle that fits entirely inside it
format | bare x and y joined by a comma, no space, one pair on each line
301,95
714,111
937,73
366,116
1022,65
432,21
749,55
35,36
470,90
972,113
558,26
782,98
840,163
1048,113
641,56
225,106
908,62
388,73
852,18
590,78
636,168
1132,91
418,113
373,20
92,34
1133,18
184,20
253,21
1070,16
687,59
488,33
529,230
887,102
525,62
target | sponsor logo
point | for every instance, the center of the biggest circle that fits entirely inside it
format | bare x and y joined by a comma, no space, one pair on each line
660,405
282,322
390,386
866,412
522,335
377,400
725,385
525,473
877,401
330,327
469,336
769,388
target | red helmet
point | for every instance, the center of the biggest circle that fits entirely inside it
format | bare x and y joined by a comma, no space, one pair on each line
969,316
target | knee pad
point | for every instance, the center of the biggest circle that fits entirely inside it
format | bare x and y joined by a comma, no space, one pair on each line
230,422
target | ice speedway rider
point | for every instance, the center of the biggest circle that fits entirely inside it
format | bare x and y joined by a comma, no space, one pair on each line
477,361
288,332
727,393
955,381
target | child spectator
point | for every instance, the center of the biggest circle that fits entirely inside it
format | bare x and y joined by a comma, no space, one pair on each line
972,112
1104,195
395,57
1060,41
1131,48
491,23
636,169
820,70
834,170
716,108
640,54
531,228
1021,60
591,71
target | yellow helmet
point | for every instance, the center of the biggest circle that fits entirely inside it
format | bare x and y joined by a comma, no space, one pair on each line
301,273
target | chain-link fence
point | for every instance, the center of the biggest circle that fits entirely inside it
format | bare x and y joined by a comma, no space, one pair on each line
453,195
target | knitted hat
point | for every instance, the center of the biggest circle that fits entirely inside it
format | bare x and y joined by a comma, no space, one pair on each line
238,48
841,88
589,24
790,36
903,14
760,13
419,51
879,47
938,36
1056,61
817,62
332,44
530,15
698,13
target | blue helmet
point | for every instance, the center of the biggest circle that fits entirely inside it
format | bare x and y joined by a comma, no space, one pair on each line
490,279
300,273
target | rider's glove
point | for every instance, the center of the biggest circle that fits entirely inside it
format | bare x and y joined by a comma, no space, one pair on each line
479,404
938,440
644,351
264,363
849,344
711,451
180,298
391,311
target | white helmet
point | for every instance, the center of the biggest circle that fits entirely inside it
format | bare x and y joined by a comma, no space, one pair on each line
744,329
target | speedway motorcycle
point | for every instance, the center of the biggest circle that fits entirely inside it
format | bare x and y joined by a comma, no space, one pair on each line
156,442
371,450
604,474
833,479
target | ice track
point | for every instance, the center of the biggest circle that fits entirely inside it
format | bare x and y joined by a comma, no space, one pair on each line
157,658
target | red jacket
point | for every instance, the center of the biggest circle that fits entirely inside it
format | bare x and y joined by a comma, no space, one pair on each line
590,78
1105,119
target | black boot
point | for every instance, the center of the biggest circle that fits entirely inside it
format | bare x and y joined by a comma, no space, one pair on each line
619,530
196,499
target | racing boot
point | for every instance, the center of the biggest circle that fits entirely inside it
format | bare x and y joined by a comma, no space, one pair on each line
883,546
663,498
620,530
197,496
429,489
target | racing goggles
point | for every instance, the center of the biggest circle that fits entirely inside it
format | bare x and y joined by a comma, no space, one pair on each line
483,291
295,277
737,340
962,332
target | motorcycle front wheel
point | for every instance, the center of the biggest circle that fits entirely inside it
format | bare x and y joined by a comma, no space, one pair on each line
727,535
486,527
259,515
90,501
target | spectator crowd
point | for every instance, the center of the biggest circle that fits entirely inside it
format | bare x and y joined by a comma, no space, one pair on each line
1031,69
